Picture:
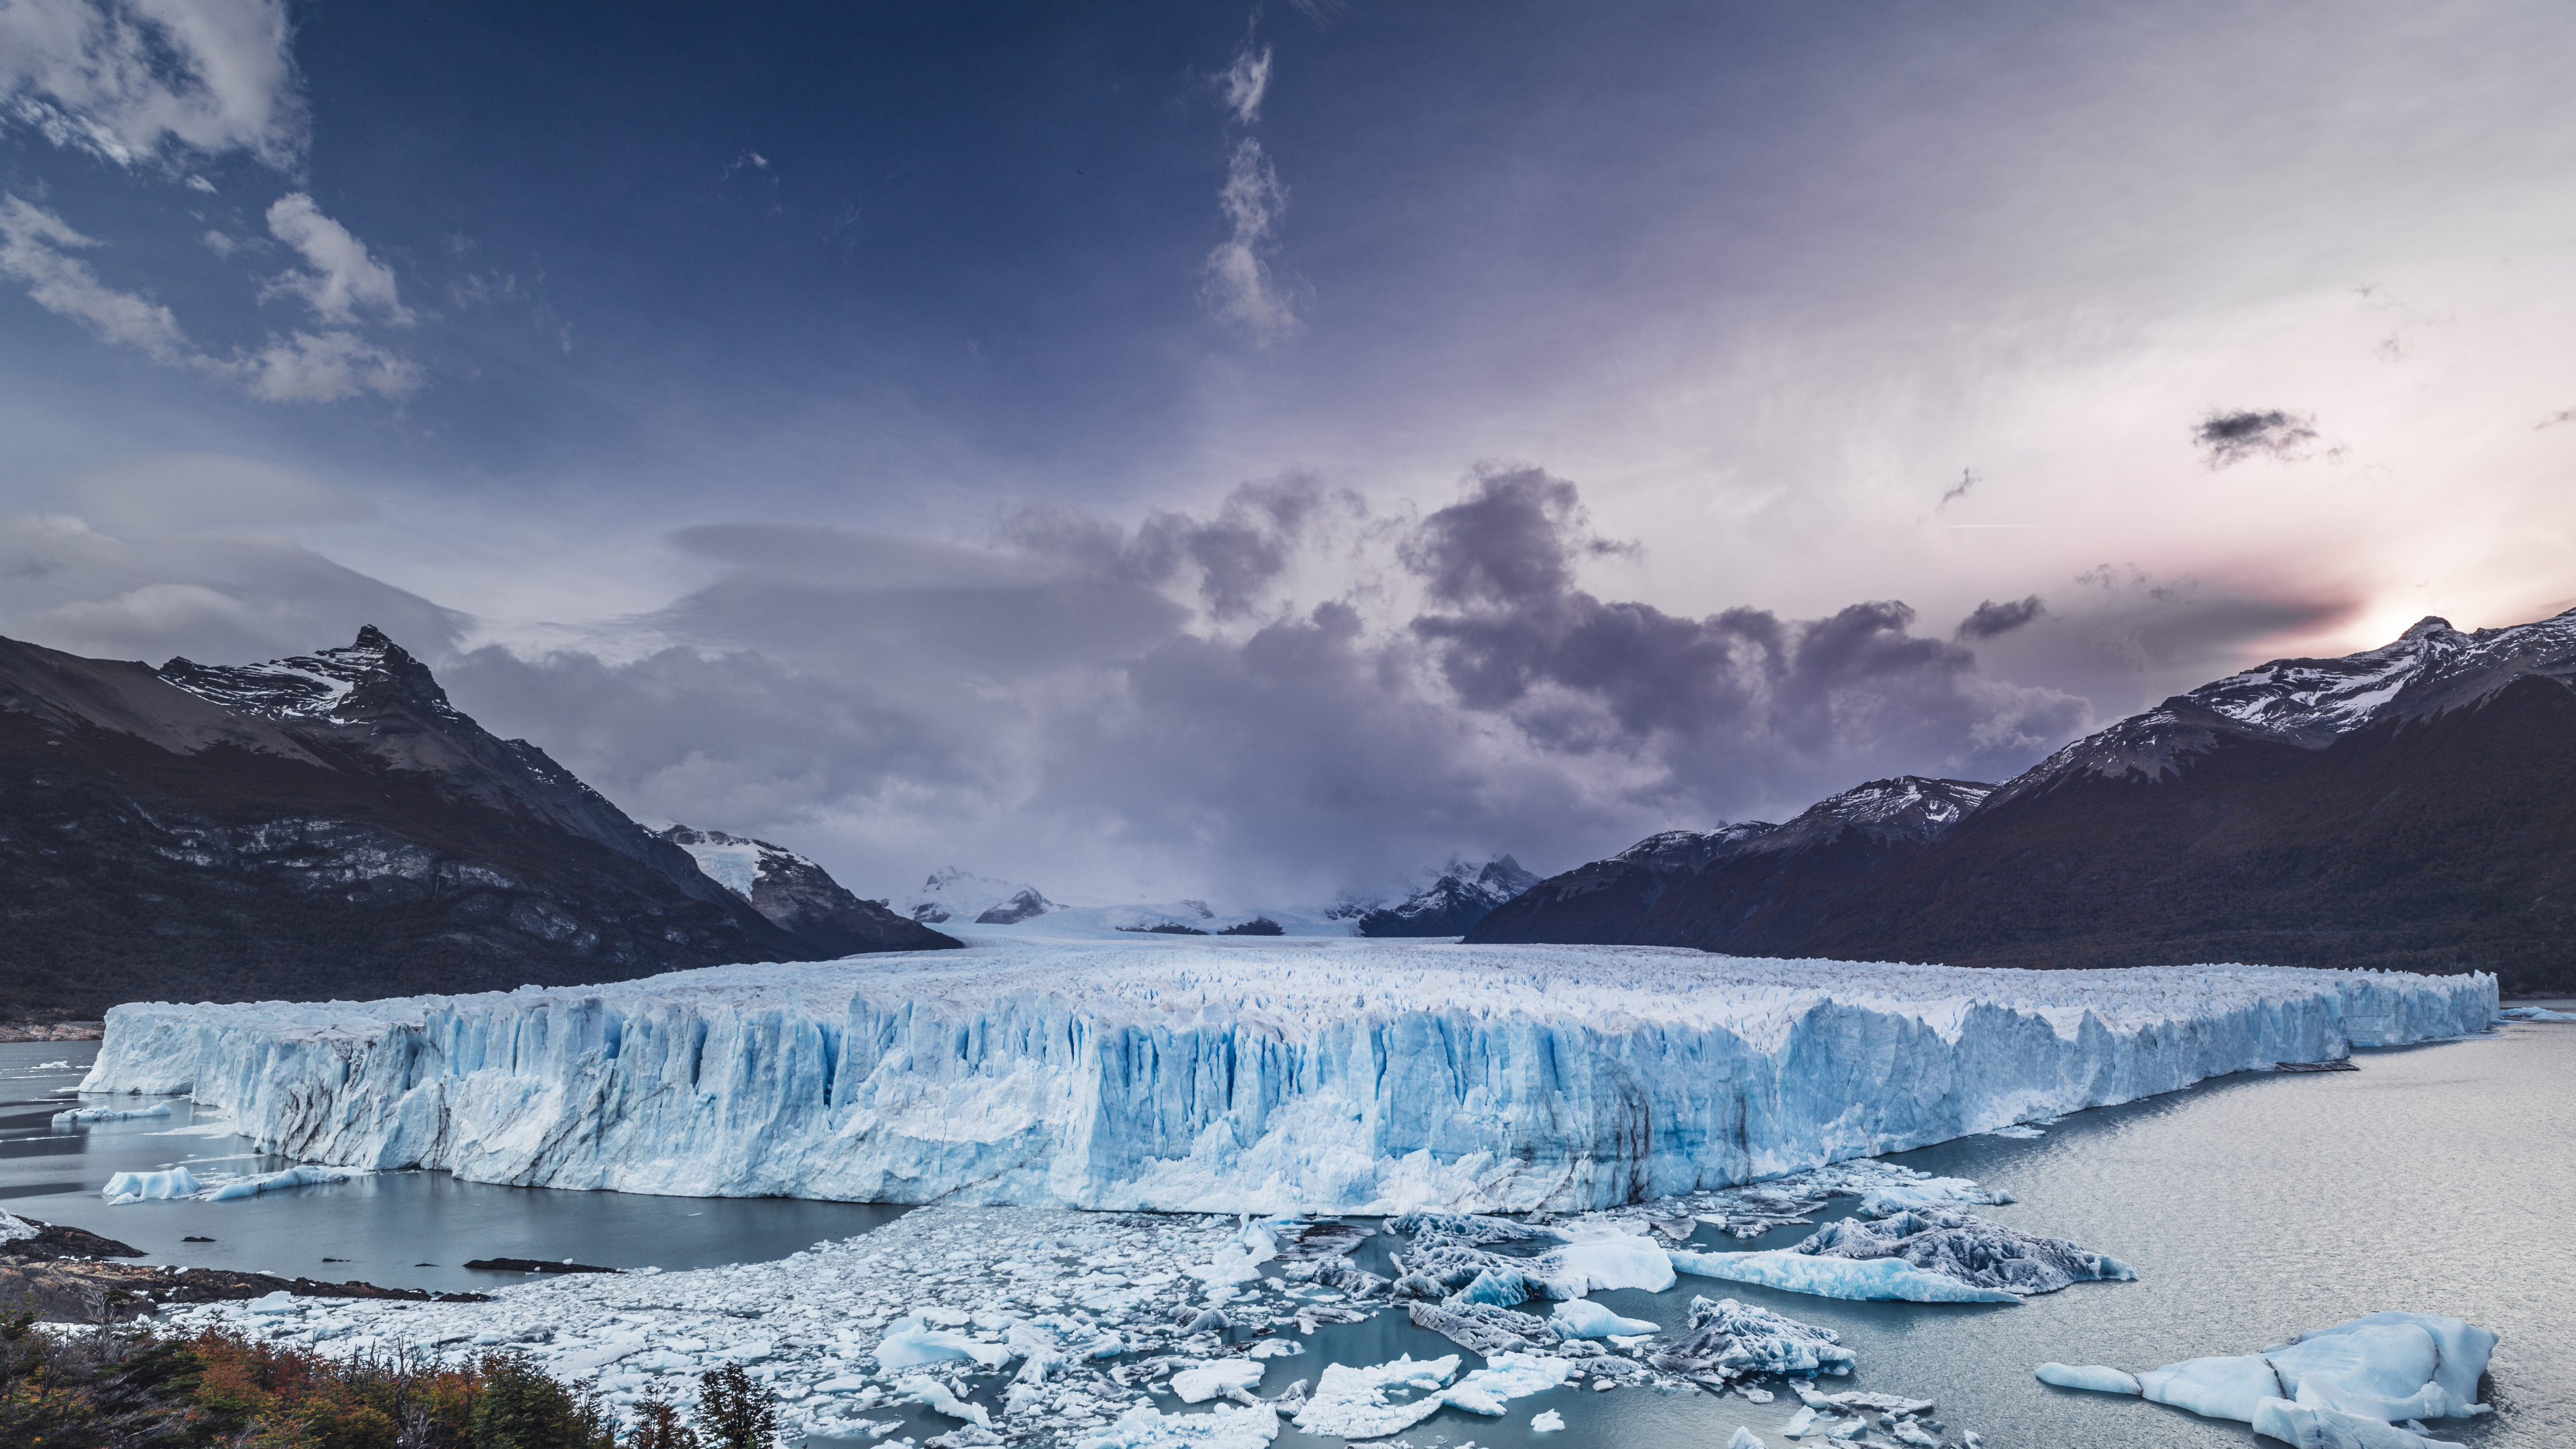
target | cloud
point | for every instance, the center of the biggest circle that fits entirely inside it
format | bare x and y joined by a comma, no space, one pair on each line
342,276
1246,82
2227,438
321,367
1232,558
33,246
1241,289
189,492
132,81
2563,415
1967,479
302,367
1990,620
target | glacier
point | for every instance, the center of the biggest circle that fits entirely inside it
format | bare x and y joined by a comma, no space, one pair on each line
1264,1075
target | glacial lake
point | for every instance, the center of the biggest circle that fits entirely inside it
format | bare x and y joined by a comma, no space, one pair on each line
2253,1207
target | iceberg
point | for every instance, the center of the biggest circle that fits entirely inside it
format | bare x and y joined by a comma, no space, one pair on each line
909,1343
1350,1401
1203,1382
1583,1319
2341,1387
1262,1075
2535,1013
1731,1339
126,1187
1143,1427
79,1116
1935,1258
306,1176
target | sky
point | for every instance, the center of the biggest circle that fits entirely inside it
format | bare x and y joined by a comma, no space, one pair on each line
1262,453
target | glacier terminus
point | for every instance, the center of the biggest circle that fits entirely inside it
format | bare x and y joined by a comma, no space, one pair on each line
1264,1076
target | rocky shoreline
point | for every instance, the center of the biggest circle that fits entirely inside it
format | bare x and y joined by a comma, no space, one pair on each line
66,1274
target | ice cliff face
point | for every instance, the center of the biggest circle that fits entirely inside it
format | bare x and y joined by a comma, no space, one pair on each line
1196,1074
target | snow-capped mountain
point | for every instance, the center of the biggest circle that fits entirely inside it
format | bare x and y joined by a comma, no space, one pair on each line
1452,904
955,895
2429,670
327,825
800,897
1683,885
2407,807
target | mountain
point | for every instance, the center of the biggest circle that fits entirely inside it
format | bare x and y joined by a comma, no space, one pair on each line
954,895
800,897
1747,885
2408,807
1453,904
327,825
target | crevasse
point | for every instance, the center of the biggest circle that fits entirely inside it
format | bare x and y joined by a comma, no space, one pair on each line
1268,1076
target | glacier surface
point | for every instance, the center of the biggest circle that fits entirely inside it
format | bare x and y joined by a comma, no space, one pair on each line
1263,1075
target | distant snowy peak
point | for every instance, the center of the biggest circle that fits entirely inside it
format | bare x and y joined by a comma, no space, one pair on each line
2430,669
329,684
1452,905
1683,851
954,895
799,896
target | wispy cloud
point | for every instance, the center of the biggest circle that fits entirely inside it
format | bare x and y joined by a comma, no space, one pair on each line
2227,438
132,81
342,276
1246,82
36,248
1241,288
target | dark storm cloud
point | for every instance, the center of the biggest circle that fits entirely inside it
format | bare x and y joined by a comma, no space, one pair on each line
1152,696
2226,438
1741,696
1990,620
1967,479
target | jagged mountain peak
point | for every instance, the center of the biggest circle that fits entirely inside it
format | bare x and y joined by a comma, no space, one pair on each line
950,894
799,896
1451,905
329,684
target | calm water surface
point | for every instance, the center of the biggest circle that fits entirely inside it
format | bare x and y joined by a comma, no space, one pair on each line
2253,1207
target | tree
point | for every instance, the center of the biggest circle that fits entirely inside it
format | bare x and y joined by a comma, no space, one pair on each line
734,1412
520,1407
658,1426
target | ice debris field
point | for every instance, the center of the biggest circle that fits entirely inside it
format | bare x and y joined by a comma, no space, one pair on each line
1048,1326
1263,1076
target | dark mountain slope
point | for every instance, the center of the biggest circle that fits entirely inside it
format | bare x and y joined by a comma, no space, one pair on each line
2412,806
1452,905
2438,844
324,826
1746,885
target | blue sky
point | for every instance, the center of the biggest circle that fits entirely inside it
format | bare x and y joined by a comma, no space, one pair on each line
1172,450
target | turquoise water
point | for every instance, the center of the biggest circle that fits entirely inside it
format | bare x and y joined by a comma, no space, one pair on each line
2253,1207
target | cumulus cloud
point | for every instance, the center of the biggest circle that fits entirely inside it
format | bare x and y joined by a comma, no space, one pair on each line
132,81
2228,438
35,247
1991,620
340,276
1241,288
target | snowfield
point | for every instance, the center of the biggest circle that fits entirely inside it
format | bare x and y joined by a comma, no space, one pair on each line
1264,1075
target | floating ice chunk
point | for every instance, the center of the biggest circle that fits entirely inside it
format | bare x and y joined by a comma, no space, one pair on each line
1483,1328
1878,1278
1233,1264
1143,1427
1583,1318
940,1399
1931,1192
1730,1339
2018,1131
2317,1428
1743,1439
79,1115
280,1301
2382,1367
125,1187
1546,1421
1350,1401
305,1176
1202,1382
1621,1262
2536,1013
1507,1376
908,1344
1276,1348
2099,1379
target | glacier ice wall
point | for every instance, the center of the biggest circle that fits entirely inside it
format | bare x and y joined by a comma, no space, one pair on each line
1263,1075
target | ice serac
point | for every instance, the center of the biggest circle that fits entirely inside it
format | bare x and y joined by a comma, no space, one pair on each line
1277,1075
